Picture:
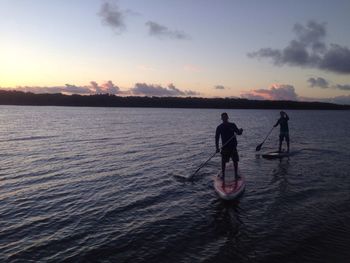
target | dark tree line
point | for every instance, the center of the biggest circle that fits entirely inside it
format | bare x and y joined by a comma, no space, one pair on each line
108,100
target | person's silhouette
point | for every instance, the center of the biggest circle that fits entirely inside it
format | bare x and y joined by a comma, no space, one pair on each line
284,130
227,131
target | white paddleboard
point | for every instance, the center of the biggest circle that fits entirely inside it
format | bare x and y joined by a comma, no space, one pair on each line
275,155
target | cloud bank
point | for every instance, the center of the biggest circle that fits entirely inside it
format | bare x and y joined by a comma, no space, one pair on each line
143,89
93,88
67,89
287,92
112,16
274,92
160,31
308,49
140,89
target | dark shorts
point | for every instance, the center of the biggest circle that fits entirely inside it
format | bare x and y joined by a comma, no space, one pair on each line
226,154
284,135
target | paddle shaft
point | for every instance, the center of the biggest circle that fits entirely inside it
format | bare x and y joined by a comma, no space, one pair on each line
203,164
259,146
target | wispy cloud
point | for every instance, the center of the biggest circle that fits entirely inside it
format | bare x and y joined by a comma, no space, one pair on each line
145,68
112,16
342,87
274,92
160,31
191,68
308,49
325,84
318,82
344,99
143,89
220,87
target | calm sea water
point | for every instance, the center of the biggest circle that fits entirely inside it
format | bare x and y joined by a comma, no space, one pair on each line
99,185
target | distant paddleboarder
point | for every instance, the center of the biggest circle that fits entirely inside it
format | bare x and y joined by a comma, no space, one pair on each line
284,130
227,131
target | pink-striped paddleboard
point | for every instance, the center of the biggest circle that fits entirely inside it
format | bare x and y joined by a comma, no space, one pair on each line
232,188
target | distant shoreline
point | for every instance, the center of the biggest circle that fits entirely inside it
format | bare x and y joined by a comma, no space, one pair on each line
107,100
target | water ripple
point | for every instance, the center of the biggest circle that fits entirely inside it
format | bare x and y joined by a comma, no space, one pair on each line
99,185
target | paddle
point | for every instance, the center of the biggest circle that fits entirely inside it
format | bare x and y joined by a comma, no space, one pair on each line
258,148
203,164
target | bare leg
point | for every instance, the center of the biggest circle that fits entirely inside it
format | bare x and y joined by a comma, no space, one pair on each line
287,139
235,165
280,146
223,167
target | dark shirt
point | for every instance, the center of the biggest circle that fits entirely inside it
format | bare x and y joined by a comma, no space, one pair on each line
283,122
226,130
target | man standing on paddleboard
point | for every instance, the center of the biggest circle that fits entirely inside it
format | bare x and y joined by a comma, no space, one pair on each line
284,130
227,131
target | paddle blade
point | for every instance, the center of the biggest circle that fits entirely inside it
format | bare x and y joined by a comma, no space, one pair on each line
258,148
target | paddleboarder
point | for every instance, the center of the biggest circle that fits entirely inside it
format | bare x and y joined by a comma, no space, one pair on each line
284,130
227,130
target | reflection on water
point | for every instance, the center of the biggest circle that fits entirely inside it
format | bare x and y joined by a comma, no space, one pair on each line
102,184
229,226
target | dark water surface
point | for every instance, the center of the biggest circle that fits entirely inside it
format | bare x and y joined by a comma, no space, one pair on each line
99,184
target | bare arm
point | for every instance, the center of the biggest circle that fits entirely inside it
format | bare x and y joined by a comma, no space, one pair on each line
236,130
286,116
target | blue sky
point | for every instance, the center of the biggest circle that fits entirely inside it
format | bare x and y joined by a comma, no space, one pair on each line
178,48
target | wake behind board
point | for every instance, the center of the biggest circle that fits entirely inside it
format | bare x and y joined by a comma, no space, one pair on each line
232,188
275,155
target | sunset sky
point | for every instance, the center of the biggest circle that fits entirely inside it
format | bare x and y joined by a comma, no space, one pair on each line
298,50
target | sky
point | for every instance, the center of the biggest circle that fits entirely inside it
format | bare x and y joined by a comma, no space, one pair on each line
294,50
